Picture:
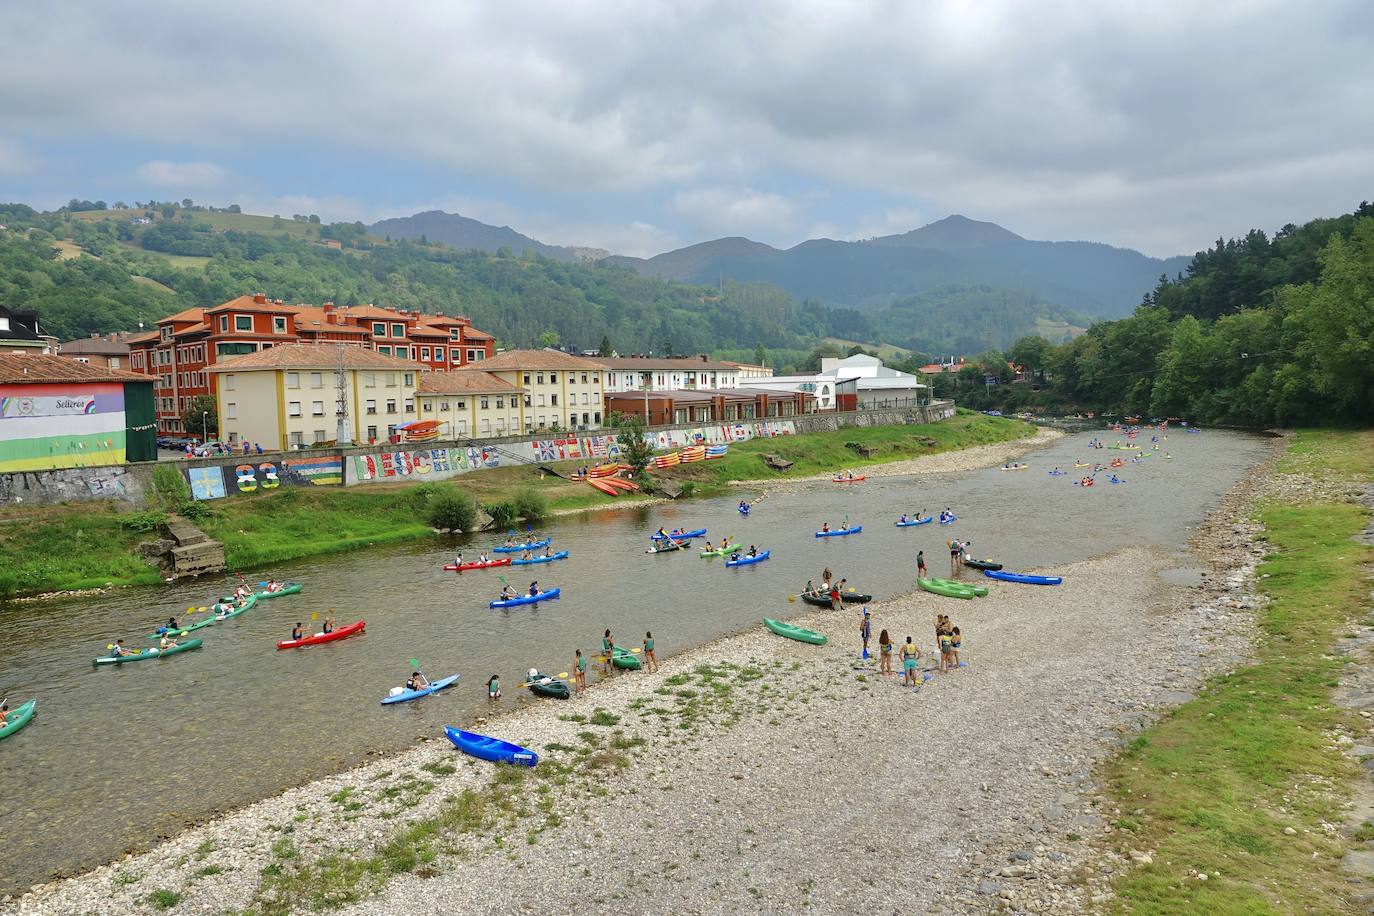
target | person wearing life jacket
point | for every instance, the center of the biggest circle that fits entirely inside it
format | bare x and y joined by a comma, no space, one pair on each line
507,592
534,588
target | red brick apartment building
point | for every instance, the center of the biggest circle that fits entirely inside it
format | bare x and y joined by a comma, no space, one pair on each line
184,344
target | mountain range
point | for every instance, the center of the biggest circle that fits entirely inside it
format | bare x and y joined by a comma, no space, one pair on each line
461,232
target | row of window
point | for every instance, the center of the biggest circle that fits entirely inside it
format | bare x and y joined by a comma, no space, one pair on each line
370,406
553,378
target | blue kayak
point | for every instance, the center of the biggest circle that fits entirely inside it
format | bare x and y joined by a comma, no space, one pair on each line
416,694
951,520
743,510
494,749
912,522
1022,577
680,536
745,561
561,555
528,545
526,599
839,532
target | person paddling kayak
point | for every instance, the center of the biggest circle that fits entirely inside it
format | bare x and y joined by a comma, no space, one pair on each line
119,650
825,526
166,642
297,634
417,682
458,560
507,592
171,626
329,621
534,589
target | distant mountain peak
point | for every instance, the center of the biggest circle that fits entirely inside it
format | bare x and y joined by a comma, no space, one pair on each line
953,233
460,231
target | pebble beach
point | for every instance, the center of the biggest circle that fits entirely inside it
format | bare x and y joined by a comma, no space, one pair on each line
758,774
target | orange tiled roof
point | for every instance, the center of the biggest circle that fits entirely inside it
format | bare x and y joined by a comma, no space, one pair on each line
315,356
38,368
464,381
537,359
192,314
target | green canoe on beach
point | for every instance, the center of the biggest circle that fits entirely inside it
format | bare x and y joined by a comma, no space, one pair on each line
624,658
947,588
791,631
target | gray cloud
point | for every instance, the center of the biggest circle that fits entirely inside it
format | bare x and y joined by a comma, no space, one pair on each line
1157,125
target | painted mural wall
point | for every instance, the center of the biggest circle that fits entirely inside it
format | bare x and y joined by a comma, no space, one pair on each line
61,426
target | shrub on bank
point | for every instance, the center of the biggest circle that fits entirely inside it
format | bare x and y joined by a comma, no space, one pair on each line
452,510
530,504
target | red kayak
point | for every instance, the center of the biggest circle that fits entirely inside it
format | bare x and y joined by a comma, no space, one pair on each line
846,479
340,633
504,561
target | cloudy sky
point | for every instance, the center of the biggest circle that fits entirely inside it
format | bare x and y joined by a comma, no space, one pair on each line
640,126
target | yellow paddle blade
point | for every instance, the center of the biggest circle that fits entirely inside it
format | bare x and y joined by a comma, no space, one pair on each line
203,610
184,633
792,598
635,649
314,615
562,674
109,647
191,610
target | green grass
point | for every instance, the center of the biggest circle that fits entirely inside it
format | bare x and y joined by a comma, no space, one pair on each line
164,899
69,547
1204,788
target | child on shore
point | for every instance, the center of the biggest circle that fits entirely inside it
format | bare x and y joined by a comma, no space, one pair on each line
493,688
649,651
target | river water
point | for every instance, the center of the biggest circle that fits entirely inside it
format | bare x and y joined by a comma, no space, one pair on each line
118,757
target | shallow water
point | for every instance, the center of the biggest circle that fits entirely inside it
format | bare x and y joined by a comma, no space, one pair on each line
119,757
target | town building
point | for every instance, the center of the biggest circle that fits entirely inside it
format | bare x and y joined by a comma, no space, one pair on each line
297,394
722,405
178,353
60,413
667,373
471,403
20,333
749,371
109,350
858,382
559,390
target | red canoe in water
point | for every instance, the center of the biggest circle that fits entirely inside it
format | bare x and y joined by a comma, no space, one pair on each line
340,633
505,561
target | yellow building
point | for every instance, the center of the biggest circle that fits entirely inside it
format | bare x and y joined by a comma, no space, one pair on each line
470,404
289,396
560,391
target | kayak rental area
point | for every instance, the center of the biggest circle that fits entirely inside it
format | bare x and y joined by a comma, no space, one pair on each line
237,720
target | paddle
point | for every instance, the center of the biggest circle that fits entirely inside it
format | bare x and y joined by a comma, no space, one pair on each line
561,675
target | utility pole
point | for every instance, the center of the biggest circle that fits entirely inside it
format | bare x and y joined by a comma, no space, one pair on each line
343,434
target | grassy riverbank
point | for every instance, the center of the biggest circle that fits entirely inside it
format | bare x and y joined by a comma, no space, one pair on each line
1215,788
88,546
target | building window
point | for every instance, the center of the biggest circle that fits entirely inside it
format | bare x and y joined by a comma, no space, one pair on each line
378,329
403,353
455,333
485,404
371,406
443,405
462,405
438,354
553,378
424,354
553,400
409,405
167,333
317,408
409,379
293,408
385,351
586,419
486,426
321,435
369,380
539,378
391,380
371,433
543,421
500,404
541,400
293,380
527,401
596,417
398,330
462,427
456,356
231,411
481,355
472,356
390,405
278,325
316,380
585,399
527,378
296,440
243,322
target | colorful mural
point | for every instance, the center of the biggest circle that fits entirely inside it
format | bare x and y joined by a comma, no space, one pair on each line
61,426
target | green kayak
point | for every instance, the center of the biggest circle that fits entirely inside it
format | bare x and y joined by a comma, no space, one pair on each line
18,718
979,590
190,627
145,654
624,658
718,552
946,588
291,589
248,604
791,631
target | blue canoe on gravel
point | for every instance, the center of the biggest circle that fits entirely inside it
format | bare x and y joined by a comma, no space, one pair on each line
745,561
528,545
839,532
526,599
680,535
913,522
1022,577
416,694
494,749
561,555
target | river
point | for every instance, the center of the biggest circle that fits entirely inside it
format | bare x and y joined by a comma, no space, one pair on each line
118,757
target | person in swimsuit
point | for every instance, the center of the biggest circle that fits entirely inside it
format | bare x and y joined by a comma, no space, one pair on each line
955,640
297,634
493,688
534,588
946,639
607,652
417,682
865,630
579,671
954,557
884,653
911,653
483,558
329,621
458,560
649,651
920,564
166,642
825,526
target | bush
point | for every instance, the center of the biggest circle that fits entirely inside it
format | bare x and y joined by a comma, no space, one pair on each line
452,510
193,510
530,504
502,514
143,522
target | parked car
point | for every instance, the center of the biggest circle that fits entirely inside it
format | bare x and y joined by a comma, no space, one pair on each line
210,449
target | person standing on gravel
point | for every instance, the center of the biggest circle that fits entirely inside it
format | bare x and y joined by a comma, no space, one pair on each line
865,631
910,654
884,653
579,671
836,602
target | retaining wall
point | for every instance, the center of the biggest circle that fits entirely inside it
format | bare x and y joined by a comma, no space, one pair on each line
226,476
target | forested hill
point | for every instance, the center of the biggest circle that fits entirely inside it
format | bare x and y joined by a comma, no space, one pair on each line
460,232
1087,277
1261,331
96,270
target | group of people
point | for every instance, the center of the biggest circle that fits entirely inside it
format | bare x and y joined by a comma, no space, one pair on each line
947,639
508,592
958,556
829,588
946,515
607,656
298,634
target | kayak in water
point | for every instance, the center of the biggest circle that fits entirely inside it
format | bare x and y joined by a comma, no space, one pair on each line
406,694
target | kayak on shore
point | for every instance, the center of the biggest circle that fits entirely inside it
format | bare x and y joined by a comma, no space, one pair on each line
792,631
464,567
407,695
18,718
747,560
484,747
624,658
142,655
526,599
1026,578
520,548
913,522
340,633
839,532
982,564
946,588
551,687
979,591
845,598
561,555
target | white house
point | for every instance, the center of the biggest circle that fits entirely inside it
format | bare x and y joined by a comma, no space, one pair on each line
854,383
695,373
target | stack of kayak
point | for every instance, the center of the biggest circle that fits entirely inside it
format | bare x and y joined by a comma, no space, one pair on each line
952,589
